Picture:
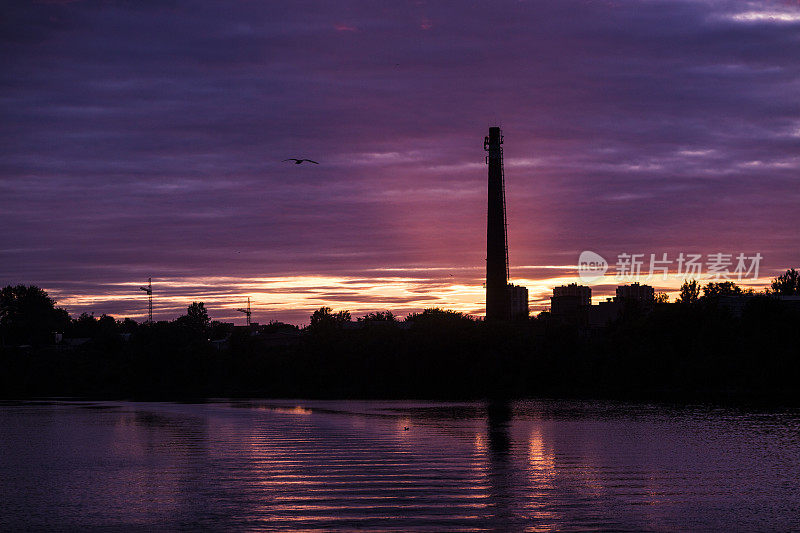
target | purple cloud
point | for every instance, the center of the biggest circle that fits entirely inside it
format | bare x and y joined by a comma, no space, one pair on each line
145,139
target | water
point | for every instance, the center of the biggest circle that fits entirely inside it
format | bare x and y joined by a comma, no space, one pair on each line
327,466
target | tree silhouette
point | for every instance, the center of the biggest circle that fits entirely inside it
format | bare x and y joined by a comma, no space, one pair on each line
690,292
379,316
434,315
29,315
196,318
324,319
128,325
787,284
722,288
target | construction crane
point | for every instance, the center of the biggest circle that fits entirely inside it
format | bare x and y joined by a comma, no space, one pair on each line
149,291
247,311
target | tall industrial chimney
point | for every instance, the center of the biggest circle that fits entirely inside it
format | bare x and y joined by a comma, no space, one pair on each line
497,299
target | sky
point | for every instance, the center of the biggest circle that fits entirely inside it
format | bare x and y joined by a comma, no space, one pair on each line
145,139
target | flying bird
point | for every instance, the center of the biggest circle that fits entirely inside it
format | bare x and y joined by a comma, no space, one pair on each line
298,161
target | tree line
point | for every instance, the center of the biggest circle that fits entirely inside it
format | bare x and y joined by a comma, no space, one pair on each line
696,349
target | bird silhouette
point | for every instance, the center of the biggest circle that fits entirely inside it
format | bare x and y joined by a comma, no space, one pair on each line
298,161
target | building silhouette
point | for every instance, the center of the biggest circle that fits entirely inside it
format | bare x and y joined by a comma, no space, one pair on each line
503,301
641,297
518,300
580,294
635,292
570,303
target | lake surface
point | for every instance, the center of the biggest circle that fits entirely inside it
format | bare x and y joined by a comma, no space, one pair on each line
327,466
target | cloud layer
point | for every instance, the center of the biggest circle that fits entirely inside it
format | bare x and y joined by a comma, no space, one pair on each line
145,139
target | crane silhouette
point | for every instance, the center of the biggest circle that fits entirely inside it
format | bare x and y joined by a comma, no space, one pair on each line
149,291
246,311
298,161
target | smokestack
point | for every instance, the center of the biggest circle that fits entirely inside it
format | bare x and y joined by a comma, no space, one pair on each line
497,300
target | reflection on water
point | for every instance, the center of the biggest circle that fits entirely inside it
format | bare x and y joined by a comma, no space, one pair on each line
498,418
323,466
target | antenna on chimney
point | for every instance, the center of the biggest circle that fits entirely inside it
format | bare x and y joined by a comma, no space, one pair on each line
149,291
246,311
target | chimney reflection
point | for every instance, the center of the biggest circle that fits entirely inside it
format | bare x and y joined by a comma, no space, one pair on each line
500,469
499,418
